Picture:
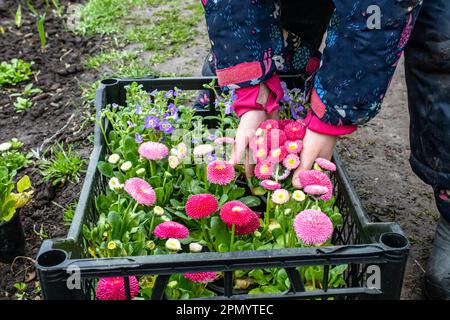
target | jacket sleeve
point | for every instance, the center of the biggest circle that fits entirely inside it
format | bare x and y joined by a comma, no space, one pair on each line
365,40
249,48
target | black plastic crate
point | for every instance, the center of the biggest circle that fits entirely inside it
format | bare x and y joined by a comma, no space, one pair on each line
366,247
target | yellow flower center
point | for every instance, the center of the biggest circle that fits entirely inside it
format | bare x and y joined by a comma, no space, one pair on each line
292,147
261,153
264,168
220,167
276,152
291,162
236,209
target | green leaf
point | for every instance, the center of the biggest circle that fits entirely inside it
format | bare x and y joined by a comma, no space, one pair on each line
18,16
250,201
222,200
337,219
105,169
236,193
115,221
159,194
220,231
23,184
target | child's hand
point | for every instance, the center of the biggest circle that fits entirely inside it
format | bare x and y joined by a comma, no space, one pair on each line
315,145
248,124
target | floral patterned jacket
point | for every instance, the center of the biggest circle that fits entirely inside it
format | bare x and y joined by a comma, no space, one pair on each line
365,40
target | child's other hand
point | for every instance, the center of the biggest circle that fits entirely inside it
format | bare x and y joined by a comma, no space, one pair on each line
315,145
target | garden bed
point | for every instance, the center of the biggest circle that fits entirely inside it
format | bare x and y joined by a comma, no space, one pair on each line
357,243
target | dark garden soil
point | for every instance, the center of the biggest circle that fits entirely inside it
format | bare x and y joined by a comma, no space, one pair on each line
376,156
57,72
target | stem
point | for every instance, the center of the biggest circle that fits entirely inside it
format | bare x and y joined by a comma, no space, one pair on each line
152,223
266,216
233,229
152,168
206,235
205,177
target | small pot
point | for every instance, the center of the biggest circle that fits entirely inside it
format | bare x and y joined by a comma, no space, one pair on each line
12,240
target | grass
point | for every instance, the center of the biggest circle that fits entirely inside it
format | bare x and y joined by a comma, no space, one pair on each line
65,165
157,26
22,104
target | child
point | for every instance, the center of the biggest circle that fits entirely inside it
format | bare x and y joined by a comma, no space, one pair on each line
251,45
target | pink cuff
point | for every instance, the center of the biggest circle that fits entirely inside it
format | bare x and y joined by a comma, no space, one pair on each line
246,97
315,124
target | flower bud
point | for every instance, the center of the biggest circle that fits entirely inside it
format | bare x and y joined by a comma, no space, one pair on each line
158,211
140,172
173,244
114,158
195,247
126,166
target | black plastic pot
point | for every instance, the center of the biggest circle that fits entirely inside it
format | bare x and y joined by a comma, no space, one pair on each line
12,240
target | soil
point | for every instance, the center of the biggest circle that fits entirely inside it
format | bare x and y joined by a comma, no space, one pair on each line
376,156
57,72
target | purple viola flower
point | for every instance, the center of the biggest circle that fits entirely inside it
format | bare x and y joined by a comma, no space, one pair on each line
131,124
138,138
169,94
196,141
114,105
210,157
228,108
138,109
166,127
233,95
216,103
151,122
172,108
295,113
153,93
211,137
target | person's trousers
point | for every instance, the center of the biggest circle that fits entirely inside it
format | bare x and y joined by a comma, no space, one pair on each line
427,66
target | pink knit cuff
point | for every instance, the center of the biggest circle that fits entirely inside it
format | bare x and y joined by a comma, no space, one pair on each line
246,97
315,124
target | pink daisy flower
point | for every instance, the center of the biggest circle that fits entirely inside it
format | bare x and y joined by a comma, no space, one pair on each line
269,125
201,205
276,138
315,190
248,228
295,130
203,150
291,162
201,276
260,154
235,212
278,154
263,170
220,172
153,150
114,288
313,227
293,146
314,177
171,229
280,196
224,140
283,123
270,184
325,164
141,191
258,142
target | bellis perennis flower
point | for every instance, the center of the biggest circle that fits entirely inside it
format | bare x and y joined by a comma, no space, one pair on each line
313,227
114,288
314,177
171,229
280,196
153,150
201,205
235,212
141,191
201,276
220,172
